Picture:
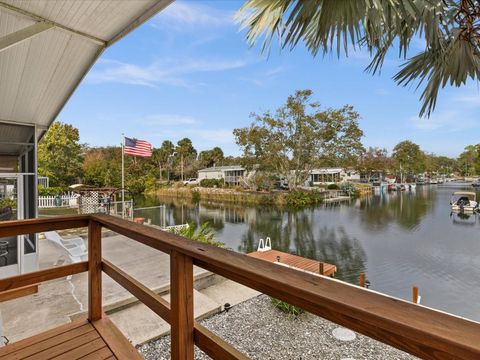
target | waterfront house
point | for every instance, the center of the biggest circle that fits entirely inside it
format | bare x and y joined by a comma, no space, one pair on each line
46,49
326,176
231,174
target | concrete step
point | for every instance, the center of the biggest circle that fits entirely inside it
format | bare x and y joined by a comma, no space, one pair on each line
140,324
229,291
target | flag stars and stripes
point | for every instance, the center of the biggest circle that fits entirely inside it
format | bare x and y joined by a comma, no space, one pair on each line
137,147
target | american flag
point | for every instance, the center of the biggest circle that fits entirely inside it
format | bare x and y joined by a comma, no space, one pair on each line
137,147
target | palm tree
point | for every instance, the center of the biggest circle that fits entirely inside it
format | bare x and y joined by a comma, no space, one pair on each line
450,30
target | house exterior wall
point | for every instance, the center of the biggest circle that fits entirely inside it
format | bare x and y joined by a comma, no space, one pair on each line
210,175
326,176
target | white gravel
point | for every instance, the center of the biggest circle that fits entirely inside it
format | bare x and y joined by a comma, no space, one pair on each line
261,331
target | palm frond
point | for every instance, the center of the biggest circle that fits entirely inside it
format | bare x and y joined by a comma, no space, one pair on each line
452,43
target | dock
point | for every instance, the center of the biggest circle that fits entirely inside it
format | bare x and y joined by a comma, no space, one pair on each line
335,196
295,262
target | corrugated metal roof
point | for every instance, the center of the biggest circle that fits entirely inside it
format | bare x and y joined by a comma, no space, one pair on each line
222,168
39,73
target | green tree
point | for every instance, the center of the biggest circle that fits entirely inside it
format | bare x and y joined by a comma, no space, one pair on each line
409,157
291,142
449,29
103,166
60,155
374,160
161,156
208,158
439,164
469,160
185,154
342,136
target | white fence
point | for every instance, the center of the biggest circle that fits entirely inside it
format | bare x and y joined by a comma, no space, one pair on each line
67,200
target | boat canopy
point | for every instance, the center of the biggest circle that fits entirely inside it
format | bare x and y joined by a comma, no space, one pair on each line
469,194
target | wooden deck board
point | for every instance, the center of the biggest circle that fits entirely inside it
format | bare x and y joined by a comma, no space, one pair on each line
77,340
294,261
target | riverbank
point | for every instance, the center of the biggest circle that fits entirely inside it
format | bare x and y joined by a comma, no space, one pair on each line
297,198
217,195
259,330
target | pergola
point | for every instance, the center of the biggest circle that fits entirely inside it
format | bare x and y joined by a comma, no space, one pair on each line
46,49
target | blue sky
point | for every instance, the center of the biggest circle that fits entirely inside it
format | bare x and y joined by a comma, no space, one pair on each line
189,72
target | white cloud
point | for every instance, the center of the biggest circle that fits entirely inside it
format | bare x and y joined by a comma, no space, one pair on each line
164,71
471,99
182,14
449,121
167,120
262,79
219,136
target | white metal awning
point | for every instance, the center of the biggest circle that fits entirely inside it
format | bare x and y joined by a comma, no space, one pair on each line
47,47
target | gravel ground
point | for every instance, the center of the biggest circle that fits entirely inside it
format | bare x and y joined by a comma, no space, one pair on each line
261,331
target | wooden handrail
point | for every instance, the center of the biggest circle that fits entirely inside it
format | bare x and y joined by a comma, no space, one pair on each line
207,341
149,298
421,331
36,277
32,226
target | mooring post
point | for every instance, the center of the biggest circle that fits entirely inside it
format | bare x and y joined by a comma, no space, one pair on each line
415,295
362,279
321,268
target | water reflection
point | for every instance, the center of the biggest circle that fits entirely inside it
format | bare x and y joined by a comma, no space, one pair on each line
346,252
397,239
404,208
463,219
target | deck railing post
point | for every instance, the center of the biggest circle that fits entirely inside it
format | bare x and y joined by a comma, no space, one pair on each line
181,305
94,271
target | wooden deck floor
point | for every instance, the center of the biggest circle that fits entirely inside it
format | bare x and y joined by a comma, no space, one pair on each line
295,261
77,340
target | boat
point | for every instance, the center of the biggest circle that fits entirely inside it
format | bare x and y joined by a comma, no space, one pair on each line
464,201
476,184
401,187
411,186
433,181
420,181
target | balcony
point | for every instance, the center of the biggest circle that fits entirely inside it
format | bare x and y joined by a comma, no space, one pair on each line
421,331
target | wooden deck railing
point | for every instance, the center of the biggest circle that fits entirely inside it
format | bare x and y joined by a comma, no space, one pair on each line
418,330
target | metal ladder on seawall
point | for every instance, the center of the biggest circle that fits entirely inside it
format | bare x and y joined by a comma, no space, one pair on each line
264,245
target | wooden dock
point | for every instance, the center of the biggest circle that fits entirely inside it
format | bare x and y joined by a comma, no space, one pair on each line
296,262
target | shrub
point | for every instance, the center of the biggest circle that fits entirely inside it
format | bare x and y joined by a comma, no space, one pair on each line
8,202
266,200
291,310
50,191
333,187
205,234
301,199
210,183
350,189
196,196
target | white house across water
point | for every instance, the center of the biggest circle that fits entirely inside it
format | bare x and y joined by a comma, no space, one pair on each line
232,174
324,176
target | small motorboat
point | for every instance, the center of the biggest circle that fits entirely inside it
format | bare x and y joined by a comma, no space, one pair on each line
476,184
464,201
411,186
420,181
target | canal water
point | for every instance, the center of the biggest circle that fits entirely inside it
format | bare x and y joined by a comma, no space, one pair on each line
398,239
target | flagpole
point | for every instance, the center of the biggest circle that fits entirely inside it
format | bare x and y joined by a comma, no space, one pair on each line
123,175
